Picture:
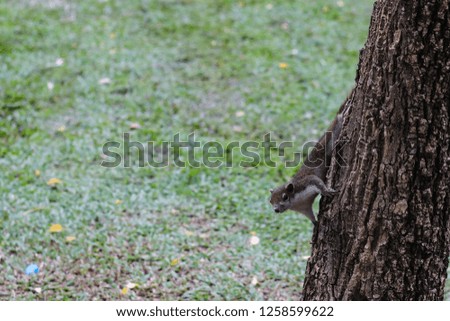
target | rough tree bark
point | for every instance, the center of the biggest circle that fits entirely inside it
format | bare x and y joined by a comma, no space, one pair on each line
385,236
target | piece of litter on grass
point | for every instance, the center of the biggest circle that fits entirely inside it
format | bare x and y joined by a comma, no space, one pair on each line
32,269
254,281
53,181
308,115
124,291
37,290
135,126
70,238
131,285
55,228
59,62
237,129
305,257
104,81
254,240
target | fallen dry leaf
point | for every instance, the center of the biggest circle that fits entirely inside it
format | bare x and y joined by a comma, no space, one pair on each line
70,238
53,181
55,228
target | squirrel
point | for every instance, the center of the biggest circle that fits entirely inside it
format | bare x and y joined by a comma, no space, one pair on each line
299,193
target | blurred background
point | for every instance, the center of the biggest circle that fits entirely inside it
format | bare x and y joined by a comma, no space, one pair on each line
76,74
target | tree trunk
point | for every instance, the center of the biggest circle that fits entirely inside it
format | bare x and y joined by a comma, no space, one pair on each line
385,236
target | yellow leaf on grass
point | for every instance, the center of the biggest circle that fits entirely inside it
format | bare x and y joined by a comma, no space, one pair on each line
117,202
55,228
37,173
53,181
124,291
283,65
174,262
70,238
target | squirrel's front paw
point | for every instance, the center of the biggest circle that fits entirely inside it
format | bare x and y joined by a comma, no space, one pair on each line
330,192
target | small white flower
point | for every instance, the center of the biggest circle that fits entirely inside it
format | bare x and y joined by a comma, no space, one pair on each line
59,62
294,52
131,285
38,290
340,3
104,81
254,240
240,113
254,281
50,85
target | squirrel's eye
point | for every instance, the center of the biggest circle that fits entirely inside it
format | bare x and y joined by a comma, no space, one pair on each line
284,197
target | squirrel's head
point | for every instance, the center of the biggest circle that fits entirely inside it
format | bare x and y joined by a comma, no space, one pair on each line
281,197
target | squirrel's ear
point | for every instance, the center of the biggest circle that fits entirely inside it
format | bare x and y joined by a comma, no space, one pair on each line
290,188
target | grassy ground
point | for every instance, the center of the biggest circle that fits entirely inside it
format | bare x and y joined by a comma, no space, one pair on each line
227,70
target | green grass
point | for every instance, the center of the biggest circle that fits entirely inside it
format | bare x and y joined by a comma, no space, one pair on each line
175,66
